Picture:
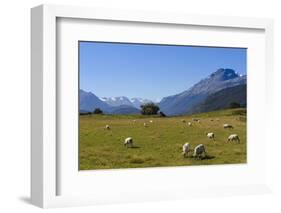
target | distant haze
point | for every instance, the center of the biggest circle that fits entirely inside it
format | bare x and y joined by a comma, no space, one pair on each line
151,71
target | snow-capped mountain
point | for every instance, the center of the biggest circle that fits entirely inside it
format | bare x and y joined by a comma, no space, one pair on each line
124,101
117,101
113,105
89,102
184,103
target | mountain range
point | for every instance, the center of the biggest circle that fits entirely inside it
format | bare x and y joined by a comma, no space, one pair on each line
215,92
113,105
122,100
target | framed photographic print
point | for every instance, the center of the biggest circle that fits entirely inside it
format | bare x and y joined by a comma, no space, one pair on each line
124,100
148,105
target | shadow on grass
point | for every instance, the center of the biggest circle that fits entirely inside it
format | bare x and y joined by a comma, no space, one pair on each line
207,157
133,147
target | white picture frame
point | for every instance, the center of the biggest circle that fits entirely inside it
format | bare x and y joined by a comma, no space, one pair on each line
45,168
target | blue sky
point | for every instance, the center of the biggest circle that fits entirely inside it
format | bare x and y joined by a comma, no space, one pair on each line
151,71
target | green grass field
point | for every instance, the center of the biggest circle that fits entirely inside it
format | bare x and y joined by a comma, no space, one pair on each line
159,144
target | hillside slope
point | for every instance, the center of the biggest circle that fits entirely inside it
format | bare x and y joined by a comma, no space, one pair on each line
222,99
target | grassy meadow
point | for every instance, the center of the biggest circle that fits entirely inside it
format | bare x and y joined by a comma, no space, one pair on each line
160,143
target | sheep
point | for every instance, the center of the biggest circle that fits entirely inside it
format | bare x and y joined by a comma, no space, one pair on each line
182,120
145,125
189,124
134,121
107,127
199,151
128,142
151,121
227,126
211,135
233,137
185,149
195,119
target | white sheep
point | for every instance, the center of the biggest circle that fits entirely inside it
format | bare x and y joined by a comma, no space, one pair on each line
107,127
233,137
151,121
199,151
189,124
211,135
227,126
128,142
134,121
185,149
145,125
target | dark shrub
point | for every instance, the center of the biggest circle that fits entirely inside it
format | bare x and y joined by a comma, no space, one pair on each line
98,111
149,109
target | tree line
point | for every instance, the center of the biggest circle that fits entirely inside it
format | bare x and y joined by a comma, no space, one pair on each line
152,109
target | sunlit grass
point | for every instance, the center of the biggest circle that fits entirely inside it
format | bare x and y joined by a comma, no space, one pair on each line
159,144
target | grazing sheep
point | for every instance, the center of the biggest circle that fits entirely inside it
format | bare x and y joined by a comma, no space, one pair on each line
182,120
134,121
151,121
107,127
185,149
199,151
227,126
145,125
189,124
195,119
211,135
128,142
233,137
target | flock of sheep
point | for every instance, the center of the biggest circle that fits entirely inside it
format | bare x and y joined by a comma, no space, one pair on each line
199,151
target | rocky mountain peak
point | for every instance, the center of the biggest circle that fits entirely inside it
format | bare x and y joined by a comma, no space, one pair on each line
224,74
